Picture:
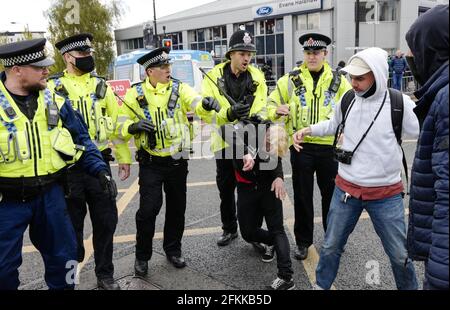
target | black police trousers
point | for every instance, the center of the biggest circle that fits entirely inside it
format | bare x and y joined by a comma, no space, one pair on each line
226,183
313,159
255,201
153,178
82,189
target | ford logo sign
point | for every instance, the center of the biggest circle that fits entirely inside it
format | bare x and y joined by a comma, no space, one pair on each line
265,10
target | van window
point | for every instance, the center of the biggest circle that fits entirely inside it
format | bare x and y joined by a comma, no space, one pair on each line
124,72
142,73
183,71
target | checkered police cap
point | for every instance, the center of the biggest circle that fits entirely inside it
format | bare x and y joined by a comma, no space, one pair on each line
314,41
155,58
79,42
23,59
28,52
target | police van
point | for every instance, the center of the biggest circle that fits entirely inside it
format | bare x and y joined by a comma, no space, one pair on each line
185,67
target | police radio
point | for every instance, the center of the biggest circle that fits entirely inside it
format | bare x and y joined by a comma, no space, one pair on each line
100,90
142,101
52,115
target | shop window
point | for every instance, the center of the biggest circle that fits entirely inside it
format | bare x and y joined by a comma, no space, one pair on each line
260,47
270,26
308,21
279,25
280,44
270,44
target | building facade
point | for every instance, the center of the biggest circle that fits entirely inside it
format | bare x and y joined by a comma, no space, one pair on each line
7,37
277,25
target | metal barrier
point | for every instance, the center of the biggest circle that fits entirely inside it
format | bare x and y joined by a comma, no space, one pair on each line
409,84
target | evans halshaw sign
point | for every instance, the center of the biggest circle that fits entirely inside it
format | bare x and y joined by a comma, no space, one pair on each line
286,7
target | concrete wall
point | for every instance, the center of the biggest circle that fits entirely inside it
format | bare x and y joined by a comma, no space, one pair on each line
326,18
203,21
408,14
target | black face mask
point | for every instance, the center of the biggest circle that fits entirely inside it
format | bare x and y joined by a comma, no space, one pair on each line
85,64
412,66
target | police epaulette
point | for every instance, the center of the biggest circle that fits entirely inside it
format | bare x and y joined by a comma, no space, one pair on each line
56,76
94,75
133,85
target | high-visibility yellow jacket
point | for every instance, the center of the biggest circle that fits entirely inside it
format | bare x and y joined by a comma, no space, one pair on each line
32,148
309,104
259,106
172,131
101,118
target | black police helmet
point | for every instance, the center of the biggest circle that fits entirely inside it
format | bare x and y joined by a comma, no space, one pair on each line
241,40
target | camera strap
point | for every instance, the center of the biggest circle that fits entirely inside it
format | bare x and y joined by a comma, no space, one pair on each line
341,127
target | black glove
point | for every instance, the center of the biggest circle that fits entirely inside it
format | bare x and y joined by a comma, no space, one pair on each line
209,104
108,184
238,111
142,125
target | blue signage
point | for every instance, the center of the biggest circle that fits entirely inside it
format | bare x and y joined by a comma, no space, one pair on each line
264,11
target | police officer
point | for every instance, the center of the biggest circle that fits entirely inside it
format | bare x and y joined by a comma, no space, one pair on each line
242,93
306,96
40,134
95,101
154,113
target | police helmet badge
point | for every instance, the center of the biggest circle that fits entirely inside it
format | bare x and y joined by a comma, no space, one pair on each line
247,39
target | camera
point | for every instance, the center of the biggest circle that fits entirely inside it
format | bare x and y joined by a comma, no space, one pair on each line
344,157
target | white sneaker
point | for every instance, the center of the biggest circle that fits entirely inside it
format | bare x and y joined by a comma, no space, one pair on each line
282,285
317,288
269,255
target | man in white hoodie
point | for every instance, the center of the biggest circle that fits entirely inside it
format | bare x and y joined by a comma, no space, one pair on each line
369,175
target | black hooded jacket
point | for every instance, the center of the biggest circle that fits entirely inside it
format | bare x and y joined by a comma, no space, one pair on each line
428,41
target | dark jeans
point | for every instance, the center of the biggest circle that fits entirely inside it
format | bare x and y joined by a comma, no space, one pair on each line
84,189
152,179
226,183
254,201
318,159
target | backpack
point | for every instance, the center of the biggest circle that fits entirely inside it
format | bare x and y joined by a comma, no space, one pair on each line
397,110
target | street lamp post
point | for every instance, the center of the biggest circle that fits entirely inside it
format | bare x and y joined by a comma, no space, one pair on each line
154,23
357,26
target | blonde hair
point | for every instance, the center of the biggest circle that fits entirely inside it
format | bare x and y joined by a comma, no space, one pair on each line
278,139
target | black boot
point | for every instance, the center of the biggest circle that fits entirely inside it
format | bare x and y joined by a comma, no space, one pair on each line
301,252
140,268
177,261
108,284
226,238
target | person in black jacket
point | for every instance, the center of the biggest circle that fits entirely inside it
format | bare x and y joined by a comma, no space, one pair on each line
260,188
